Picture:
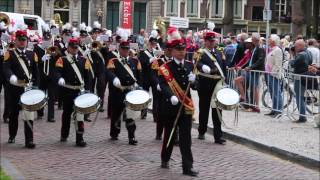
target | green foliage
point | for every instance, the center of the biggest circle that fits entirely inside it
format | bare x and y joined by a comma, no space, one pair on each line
3,176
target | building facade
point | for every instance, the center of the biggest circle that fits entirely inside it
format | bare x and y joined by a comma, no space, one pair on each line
108,12
288,16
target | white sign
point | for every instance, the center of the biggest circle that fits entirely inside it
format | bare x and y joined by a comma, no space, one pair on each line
267,14
179,22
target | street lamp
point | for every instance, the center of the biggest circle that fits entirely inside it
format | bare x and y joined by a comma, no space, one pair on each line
100,15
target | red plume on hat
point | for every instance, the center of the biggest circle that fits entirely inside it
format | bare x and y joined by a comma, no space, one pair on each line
73,41
174,37
21,33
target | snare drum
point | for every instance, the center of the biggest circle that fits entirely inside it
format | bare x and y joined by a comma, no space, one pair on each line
227,99
87,103
33,100
137,100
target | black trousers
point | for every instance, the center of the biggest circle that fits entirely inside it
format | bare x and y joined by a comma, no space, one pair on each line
51,89
14,108
158,113
205,91
118,107
184,124
6,101
67,100
101,88
146,86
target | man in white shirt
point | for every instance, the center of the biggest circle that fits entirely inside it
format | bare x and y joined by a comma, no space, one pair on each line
313,47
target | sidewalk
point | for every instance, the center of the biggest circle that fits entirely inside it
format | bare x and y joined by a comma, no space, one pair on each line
105,159
301,139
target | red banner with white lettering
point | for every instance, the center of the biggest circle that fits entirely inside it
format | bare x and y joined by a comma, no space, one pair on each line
127,14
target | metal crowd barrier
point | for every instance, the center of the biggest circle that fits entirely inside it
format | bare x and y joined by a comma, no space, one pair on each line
289,94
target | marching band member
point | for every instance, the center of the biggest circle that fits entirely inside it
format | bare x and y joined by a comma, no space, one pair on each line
20,68
174,78
96,31
125,74
156,108
3,82
48,55
210,74
73,74
146,57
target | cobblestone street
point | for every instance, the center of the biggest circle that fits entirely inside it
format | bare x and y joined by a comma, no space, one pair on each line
105,159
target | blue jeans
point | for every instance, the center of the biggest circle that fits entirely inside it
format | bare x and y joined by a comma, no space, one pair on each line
275,89
299,89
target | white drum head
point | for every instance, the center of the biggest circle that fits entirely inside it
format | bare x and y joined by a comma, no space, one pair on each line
32,97
137,97
228,96
86,100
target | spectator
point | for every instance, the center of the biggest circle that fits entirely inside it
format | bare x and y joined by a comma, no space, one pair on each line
314,49
140,39
273,68
300,64
243,63
229,51
256,63
239,50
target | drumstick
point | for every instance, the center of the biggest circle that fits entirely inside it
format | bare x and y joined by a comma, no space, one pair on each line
198,56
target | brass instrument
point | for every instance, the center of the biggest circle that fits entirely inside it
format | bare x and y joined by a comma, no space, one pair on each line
5,18
161,26
96,45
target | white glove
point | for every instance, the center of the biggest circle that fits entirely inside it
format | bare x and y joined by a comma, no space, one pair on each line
174,100
206,69
45,57
158,87
116,82
152,59
135,85
61,82
191,77
86,53
13,79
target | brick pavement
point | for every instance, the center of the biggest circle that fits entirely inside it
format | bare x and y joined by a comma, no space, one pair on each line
105,159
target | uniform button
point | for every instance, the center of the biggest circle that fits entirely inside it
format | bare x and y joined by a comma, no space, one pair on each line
182,76
184,83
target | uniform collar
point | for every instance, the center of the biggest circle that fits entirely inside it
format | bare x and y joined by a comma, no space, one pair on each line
21,51
178,62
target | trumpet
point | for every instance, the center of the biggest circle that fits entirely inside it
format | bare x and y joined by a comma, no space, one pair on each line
96,45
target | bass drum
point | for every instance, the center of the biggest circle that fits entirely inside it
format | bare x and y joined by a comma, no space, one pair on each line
87,103
33,100
137,100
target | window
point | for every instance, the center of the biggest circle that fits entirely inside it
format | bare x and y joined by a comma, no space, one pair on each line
217,8
192,8
84,11
7,5
257,13
237,8
112,15
282,10
37,7
31,23
139,17
61,11
172,7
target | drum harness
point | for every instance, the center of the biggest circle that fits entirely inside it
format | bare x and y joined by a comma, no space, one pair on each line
236,116
26,86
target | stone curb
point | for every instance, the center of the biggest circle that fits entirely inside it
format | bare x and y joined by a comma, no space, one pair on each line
283,154
10,169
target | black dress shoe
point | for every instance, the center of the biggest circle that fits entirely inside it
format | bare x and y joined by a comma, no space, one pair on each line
5,120
132,141
88,120
63,139
220,141
30,145
11,140
201,136
81,143
114,138
190,172
51,120
101,110
270,113
165,165
158,137
301,120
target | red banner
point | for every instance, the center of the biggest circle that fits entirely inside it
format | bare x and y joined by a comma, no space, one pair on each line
127,14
